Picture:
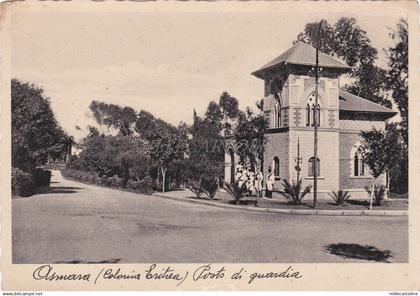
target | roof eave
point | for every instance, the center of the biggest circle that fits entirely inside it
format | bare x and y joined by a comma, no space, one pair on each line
259,73
388,114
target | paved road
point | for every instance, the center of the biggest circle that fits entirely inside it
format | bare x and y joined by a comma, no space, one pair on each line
86,224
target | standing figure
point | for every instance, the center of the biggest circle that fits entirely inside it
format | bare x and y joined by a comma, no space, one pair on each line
251,185
258,183
269,184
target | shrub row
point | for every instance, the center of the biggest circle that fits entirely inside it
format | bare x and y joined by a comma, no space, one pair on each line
41,177
26,184
142,186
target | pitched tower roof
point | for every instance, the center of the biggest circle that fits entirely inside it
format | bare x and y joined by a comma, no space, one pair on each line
302,54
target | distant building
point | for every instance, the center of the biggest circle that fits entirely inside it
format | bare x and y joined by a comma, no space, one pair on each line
289,104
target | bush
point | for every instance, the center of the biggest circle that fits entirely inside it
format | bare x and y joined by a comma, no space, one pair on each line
41,177
236,191
115,181
23,183
142,186
340,197
210,187
87,177
200,175
294,191
378,195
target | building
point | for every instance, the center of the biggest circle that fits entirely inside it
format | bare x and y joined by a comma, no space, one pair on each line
289,104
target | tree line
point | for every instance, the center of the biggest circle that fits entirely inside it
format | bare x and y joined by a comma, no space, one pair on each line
135,150
36,138
346,40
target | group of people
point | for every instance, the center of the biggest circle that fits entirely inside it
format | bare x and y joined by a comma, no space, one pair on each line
253,182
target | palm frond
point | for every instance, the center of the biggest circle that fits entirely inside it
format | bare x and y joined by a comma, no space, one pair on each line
293,191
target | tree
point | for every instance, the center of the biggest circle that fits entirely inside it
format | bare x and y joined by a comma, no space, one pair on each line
205,162
122,119
134,164
167,143
36,134
200,174
380,151
214,115
229,108
347,41
397,76
398,173
206,135
249,135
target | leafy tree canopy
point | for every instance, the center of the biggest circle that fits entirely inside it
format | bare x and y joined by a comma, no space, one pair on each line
249,135
346,40
397,76
380,150
36,135
122,119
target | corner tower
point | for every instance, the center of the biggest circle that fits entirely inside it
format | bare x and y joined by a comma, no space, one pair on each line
289,104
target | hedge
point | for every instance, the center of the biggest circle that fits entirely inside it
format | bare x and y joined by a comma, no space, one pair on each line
142,186
26,184
41,177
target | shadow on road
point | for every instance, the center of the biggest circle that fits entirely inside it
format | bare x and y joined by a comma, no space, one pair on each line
357,251
63,189
89,262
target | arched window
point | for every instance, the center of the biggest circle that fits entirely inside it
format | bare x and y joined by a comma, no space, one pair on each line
356,165
312,112
276,109
311,164
359,165
276,86
308,115
357,162
276,115
318,116
276,167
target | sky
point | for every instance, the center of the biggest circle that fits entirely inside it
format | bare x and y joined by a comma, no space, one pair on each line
166,62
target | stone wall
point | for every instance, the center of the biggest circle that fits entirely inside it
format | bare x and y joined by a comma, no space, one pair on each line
277,145
349,140
360,125
328,147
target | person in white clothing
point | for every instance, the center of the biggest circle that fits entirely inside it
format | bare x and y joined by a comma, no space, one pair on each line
269,184
258,183
251,183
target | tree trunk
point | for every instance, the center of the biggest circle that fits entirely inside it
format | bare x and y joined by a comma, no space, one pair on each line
163,179
372,192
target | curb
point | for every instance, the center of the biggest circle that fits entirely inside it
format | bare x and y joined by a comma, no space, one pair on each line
390,213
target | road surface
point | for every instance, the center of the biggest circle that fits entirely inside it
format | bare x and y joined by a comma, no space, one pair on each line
78,223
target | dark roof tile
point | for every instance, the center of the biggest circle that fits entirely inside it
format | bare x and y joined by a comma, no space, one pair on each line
353,103
303,54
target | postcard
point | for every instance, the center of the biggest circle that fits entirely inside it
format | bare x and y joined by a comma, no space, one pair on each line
221,145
